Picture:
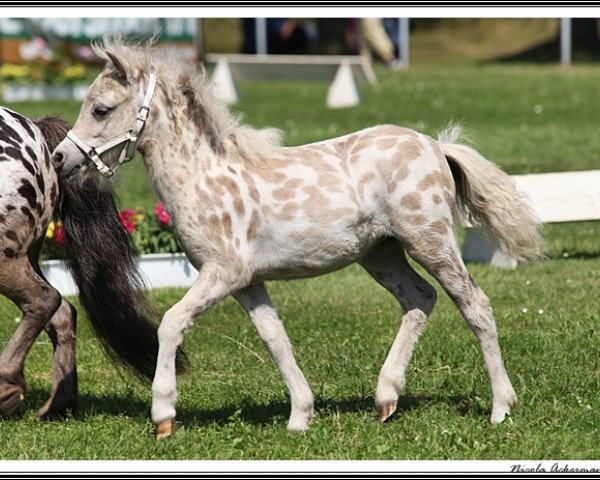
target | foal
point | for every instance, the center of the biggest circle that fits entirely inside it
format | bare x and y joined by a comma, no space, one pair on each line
29,192
247,210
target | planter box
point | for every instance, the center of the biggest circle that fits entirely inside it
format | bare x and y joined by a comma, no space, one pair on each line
158,270
16,92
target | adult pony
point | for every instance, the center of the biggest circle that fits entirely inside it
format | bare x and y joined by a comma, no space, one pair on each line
99,252
247,210
29,193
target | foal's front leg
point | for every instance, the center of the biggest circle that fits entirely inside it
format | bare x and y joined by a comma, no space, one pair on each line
257,303
212,285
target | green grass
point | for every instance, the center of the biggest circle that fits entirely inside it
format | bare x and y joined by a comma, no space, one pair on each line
233,404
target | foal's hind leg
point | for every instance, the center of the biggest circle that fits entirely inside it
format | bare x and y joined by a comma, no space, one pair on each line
255,300
387,264
38,301
441,257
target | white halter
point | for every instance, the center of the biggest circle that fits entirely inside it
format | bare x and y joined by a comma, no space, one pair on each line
130,138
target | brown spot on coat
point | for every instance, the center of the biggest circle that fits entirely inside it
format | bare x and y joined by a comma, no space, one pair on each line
439,227
227,226
27,191
238,205
283,194
288,212
29,215
252,190
386,143
430,180
230,185
416,219
342,147
410,150
253,226
270,175
411,201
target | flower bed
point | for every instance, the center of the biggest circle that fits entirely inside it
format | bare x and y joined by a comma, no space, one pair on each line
48,74
160,257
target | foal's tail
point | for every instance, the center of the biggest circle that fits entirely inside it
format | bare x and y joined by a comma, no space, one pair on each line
100,256
490,199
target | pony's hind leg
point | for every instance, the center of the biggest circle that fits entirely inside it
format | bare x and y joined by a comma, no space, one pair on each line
255,300
38,301
61,329
387,264
440,256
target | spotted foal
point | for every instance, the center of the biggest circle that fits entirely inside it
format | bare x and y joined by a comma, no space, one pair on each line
29,191
247,210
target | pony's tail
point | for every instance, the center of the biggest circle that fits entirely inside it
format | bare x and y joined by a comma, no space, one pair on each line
100,256
490,199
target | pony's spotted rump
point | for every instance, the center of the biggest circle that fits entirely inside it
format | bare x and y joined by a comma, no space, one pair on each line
247,210
28,194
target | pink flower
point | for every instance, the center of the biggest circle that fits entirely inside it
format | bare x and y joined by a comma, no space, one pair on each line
161,214
126,218
59,235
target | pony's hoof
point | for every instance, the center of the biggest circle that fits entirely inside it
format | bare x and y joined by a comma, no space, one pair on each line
386,410
57,410
11,402
165,428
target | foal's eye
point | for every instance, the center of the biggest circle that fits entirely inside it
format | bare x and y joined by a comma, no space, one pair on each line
101,112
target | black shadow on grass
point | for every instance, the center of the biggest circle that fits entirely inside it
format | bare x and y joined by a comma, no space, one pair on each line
248,411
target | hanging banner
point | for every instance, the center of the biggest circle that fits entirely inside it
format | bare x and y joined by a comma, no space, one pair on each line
86,29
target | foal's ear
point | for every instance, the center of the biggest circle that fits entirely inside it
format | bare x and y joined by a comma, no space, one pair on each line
119,65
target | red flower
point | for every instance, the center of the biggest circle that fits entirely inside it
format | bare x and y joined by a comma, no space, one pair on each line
161,214
59,235
126,218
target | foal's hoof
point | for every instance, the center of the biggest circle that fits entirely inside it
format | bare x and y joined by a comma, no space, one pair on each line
11,399
165,428
386,410
502,410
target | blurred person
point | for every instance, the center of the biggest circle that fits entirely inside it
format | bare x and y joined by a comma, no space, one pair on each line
392,28
284,35
378,41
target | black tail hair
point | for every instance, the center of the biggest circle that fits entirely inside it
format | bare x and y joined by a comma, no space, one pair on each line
100,255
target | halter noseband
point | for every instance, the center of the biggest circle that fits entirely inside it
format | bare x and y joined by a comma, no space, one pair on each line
130,138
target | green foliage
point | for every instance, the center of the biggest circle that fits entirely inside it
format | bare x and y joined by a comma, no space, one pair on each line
233,404
151,233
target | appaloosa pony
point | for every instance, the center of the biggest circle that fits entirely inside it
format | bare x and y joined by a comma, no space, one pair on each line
247,210
29,193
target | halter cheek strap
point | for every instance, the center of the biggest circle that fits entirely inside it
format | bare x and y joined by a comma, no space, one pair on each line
130,139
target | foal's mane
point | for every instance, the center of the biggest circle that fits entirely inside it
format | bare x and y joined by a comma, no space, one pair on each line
182,83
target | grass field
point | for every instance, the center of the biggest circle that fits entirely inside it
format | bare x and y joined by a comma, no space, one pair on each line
233,404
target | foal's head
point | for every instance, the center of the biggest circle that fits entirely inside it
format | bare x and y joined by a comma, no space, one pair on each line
108,112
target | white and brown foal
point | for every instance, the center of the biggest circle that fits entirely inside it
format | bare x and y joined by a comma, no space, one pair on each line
247,210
